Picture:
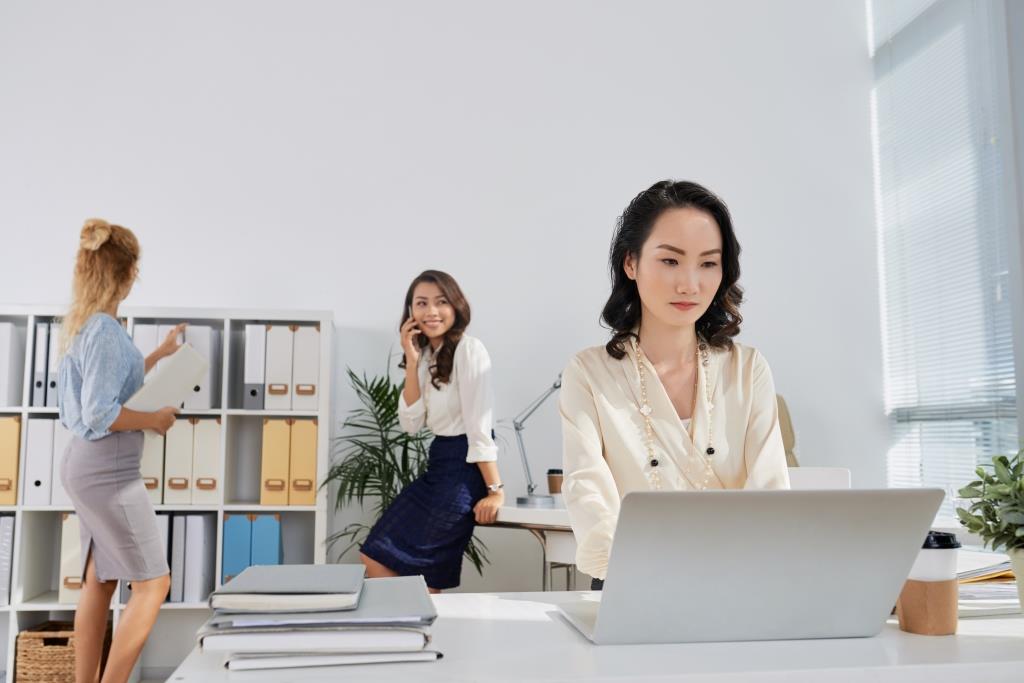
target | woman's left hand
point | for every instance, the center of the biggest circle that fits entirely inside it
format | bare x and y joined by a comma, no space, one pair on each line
486,509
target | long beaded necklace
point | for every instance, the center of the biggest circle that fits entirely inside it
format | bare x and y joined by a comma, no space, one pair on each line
654,476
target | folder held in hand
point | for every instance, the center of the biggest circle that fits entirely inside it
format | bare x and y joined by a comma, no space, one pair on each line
168,385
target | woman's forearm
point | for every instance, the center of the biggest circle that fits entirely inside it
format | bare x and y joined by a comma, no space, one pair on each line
490,472
131,421
411,392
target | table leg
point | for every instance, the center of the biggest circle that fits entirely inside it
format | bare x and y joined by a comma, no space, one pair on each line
542,539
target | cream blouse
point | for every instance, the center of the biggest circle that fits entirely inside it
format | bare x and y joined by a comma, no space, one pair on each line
465,405
605,453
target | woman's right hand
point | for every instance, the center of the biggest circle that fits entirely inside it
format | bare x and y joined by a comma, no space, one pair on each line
163,419
410,334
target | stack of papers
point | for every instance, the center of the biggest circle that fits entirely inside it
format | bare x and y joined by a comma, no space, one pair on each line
258,624
987,585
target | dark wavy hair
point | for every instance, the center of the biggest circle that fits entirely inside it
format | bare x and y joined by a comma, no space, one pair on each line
721,322
441,370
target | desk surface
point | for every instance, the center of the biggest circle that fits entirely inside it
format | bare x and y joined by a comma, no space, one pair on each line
550,518
522,637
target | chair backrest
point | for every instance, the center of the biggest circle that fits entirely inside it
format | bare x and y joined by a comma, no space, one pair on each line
788,434
819,478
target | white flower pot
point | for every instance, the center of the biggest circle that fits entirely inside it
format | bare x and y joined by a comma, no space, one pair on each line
1017,563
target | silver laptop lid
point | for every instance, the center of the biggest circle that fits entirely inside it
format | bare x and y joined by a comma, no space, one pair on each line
760,565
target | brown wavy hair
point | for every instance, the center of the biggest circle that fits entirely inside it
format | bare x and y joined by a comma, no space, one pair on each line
721,322
106,266
444,361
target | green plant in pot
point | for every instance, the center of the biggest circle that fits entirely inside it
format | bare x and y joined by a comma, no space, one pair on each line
375,459
997,513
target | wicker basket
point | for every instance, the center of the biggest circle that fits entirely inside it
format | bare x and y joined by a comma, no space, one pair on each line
46,653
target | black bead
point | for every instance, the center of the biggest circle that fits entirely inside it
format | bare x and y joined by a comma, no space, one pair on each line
710,451
654,462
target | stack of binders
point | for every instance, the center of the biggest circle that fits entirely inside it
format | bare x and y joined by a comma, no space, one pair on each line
291,616
282,367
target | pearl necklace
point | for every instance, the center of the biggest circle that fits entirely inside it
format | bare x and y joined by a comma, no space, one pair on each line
653,475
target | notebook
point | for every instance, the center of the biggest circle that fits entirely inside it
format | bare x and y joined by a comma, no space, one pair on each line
291,588
170,383
393,601
346,640
249,662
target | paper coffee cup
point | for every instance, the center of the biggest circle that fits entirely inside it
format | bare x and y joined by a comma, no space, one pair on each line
928,602
554,481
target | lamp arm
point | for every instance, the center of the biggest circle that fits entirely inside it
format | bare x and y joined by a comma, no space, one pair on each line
517,425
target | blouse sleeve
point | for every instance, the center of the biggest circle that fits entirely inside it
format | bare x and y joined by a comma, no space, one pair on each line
104,372
413,417
763,451
473,368
591,497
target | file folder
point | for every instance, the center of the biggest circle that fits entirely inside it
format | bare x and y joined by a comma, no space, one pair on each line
10,445
12,365
255,366
200,546
306,369
38,462
178,463
61,439
151,467
278,379
146,339
178,540
274,462
206,462
171,382
205,394
266,539
302,463
70,560
39,365
237,553
6,557
52,363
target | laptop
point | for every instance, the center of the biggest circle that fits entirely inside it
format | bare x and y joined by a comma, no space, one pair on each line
756,565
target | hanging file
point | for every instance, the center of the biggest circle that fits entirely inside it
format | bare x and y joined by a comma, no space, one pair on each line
278,394
306,369
39,365
10,444
206,462
274,462
178,463
52,363
237,552
302,463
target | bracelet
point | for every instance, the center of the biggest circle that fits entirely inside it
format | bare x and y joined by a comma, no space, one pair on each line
494,488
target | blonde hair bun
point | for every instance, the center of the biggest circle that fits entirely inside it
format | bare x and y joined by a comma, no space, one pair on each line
95,234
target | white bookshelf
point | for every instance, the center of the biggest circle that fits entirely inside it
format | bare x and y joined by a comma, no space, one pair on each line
35,571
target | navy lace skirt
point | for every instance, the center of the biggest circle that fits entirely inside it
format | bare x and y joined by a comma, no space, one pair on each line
427,527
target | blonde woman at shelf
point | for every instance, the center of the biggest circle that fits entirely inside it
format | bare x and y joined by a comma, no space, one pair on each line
671,402
99,371
447,389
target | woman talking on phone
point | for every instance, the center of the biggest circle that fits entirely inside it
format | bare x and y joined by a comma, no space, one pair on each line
448,390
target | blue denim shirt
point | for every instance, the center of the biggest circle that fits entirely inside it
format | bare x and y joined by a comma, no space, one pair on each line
101,370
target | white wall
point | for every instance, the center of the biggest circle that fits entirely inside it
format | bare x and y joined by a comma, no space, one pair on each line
320,154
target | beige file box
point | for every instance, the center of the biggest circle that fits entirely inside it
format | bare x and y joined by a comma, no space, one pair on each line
70,560
274,462
10,444
302,463
306,369
178,464
206,462
278,376
152,466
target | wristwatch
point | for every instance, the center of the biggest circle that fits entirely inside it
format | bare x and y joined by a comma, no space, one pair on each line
494,488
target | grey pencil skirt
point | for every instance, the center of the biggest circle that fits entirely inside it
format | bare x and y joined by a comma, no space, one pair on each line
116,518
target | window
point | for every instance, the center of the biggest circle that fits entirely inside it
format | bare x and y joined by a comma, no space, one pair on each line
950,390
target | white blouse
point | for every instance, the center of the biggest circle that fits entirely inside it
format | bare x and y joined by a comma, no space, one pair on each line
464,405
604,447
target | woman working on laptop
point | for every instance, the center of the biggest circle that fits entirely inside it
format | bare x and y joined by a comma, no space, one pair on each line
671,402
101,369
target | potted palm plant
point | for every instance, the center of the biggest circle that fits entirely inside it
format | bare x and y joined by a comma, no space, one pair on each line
375,459
997,513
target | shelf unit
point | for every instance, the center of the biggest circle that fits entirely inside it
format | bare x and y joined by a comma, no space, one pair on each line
36,552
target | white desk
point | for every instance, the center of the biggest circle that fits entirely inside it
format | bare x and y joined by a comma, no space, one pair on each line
551,528
521,637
